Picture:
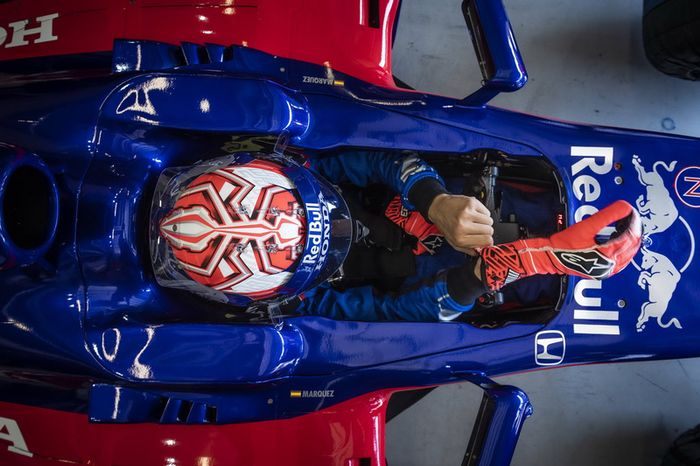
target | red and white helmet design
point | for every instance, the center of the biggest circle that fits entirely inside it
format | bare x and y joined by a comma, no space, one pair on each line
238,229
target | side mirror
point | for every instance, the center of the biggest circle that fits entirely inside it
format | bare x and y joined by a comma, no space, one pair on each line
499,58
497,427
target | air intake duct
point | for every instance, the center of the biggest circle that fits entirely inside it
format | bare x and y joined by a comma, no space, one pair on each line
28,207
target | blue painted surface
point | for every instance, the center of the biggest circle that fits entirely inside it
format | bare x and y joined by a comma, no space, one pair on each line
502,66
97,315
503,411
12,254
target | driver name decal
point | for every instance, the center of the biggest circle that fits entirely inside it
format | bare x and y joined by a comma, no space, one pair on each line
312,393
324,81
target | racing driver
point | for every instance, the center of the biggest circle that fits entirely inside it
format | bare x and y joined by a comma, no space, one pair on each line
262,228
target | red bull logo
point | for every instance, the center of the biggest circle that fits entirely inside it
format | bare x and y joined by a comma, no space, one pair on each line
586,187
656,207
589,319
319,232
660,278
658,274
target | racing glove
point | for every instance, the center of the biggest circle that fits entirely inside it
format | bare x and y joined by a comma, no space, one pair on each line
573,251
412,222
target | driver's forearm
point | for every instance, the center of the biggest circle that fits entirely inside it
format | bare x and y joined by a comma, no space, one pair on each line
416,181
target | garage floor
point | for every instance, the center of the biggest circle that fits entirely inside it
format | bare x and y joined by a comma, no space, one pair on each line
586,63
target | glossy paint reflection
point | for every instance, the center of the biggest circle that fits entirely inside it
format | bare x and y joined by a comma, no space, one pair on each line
334,435
92,317
207,102
137,100
20,170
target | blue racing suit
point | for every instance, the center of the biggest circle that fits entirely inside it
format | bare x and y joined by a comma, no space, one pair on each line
425,297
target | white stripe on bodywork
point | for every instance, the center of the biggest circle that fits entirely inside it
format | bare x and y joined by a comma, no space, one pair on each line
587,329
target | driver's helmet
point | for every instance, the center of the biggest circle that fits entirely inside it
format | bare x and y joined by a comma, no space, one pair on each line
252,227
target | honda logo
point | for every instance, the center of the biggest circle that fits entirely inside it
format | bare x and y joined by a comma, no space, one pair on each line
550,347
27,32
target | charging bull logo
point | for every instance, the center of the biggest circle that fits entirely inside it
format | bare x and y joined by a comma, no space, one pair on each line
660,278
658,275
655,207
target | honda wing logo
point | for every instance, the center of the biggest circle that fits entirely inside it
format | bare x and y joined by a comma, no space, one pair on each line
658,275
550,347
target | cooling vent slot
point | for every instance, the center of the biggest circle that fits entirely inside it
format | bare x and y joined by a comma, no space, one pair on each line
134,405
373,9
130,55
178,411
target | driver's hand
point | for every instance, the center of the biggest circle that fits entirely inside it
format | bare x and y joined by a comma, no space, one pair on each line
465,222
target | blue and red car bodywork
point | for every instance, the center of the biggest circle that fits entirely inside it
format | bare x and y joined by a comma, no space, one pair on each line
99,365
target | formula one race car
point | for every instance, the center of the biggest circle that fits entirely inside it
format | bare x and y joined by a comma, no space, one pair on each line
100,364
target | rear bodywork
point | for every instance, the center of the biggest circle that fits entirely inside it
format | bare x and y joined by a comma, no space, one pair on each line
125,372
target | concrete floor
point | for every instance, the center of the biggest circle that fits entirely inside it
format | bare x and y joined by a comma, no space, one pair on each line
586,63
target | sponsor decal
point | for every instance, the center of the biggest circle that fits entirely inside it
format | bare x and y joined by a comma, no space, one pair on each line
660,278
319,233
9,432
687,186
324,81
658,274
595,321
591,263
590,161
433,242
550,348
586,188
22,33
312,393
655,206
